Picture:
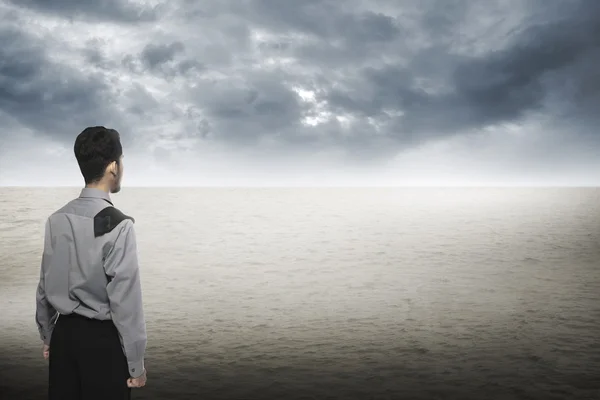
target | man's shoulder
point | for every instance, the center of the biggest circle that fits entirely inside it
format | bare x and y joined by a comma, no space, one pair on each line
107,219
101,214
56,216
63,210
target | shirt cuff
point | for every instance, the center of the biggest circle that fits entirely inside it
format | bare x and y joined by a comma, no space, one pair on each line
46,336
136,368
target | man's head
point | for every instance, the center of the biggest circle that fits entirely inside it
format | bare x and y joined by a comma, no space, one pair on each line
100,157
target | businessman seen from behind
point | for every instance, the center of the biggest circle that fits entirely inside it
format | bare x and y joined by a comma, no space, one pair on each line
89,301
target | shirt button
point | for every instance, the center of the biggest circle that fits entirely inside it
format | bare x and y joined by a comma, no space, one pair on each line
132,369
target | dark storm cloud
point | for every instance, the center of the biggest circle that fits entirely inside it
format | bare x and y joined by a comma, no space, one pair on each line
335,33
154,55
167,60
242,110
325,19
510,82
498,86
114,10
356,32
43,95
399,68
398,72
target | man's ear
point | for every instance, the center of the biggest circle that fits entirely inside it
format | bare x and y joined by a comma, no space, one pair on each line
112,168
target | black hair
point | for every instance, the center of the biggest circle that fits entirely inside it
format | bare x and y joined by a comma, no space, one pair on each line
95,148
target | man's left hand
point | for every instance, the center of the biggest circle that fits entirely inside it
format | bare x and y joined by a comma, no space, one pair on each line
46,351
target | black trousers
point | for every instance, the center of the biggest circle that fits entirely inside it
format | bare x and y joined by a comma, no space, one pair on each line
87,361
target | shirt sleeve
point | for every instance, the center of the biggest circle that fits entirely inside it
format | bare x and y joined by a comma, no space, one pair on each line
125,297
45,314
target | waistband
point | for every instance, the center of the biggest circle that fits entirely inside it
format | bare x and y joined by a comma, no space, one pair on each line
75,316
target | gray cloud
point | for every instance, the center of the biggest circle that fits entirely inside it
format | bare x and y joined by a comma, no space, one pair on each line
325,20
167,60
45,96
495,87
154,55
111,10
378,76
244,109
366,78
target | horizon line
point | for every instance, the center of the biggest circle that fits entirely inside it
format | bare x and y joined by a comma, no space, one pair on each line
423,186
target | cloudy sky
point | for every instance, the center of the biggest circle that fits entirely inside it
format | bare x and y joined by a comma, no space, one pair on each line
310,92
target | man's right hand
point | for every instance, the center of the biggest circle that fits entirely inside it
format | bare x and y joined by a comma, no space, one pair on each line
138,382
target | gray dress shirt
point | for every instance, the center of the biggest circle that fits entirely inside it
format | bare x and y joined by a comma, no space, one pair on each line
96,277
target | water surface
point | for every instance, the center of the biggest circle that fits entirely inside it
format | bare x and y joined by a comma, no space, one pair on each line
340,293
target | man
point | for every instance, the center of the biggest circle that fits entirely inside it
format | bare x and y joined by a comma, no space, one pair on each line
89,301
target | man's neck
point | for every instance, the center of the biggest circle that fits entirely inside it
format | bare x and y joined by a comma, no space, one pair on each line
99,186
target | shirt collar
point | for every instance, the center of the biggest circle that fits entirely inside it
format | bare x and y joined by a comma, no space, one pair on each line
95,194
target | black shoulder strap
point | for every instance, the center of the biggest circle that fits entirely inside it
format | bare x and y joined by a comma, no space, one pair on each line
107,220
